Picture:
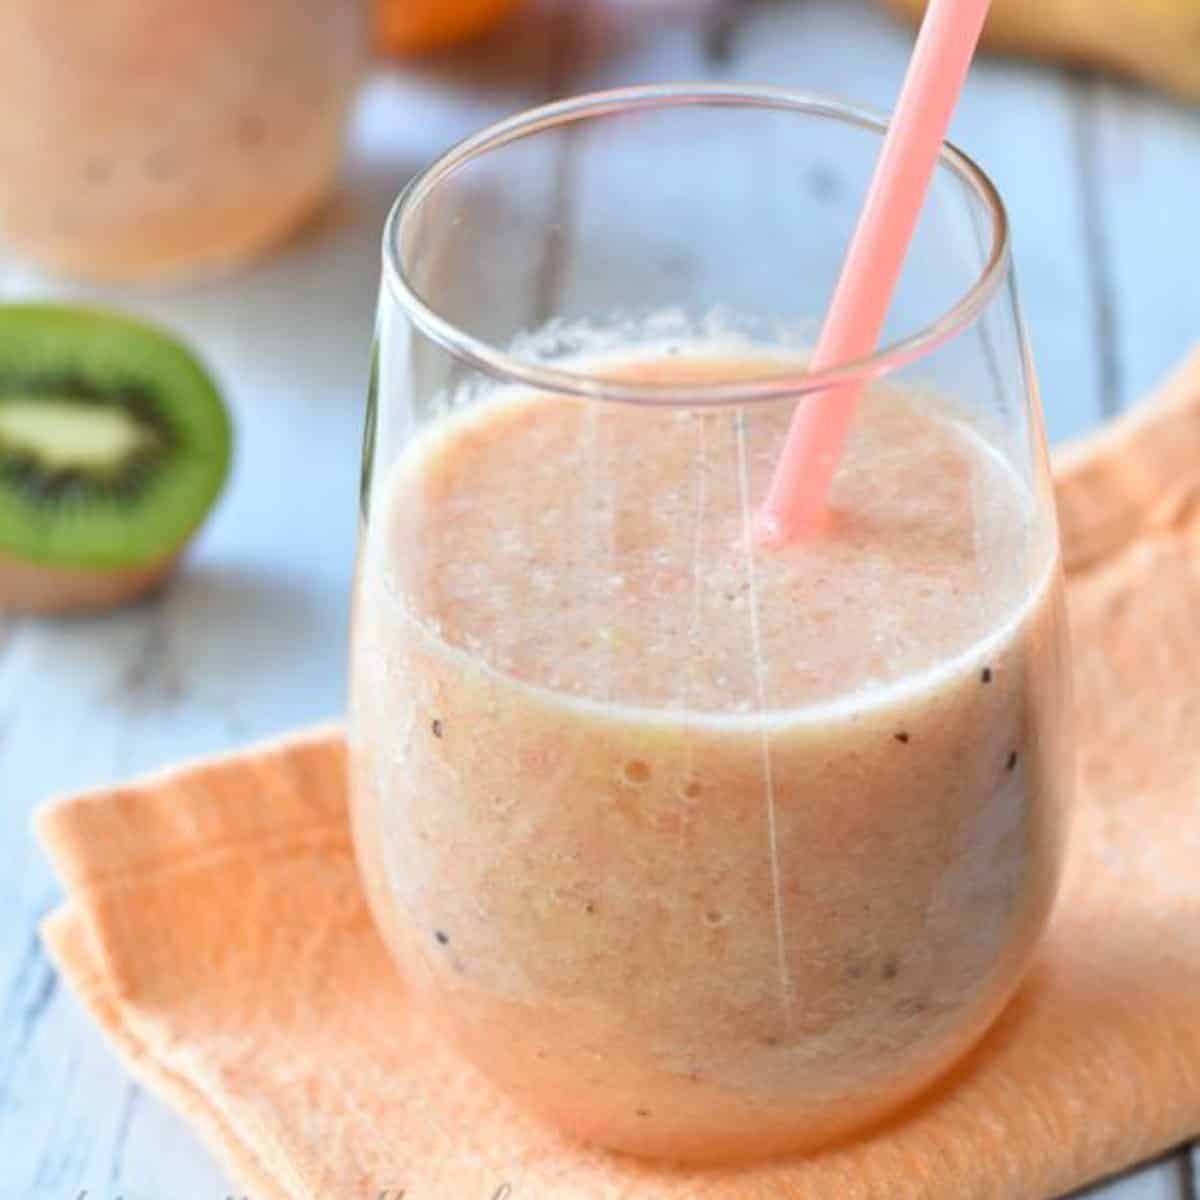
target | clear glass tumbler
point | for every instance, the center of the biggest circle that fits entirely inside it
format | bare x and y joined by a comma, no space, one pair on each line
702,851
164,138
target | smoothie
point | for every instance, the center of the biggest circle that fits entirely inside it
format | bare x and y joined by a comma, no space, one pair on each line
703,851
163,137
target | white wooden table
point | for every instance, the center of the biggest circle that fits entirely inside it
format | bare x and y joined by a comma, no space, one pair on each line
1102,184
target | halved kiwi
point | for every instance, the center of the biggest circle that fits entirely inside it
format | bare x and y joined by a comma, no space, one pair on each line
114,444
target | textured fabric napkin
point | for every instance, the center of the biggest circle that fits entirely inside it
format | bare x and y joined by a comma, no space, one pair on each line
215,930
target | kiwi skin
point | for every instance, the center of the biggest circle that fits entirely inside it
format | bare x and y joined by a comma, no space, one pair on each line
102,563
31,589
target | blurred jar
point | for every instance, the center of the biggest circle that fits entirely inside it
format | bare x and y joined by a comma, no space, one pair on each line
414,26
155,138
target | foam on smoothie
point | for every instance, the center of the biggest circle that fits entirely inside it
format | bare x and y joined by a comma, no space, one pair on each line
641,567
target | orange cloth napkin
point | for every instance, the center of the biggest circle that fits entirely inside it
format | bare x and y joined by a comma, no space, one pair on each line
215,930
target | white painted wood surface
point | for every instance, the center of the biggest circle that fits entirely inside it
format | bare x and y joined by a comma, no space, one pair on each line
1101,182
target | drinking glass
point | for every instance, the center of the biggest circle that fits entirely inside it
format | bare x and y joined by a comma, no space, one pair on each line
700,850
156,139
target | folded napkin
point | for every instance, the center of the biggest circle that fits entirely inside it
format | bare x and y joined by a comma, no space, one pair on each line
215,930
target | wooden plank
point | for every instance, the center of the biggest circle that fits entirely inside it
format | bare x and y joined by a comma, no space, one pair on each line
1148,162
1097,244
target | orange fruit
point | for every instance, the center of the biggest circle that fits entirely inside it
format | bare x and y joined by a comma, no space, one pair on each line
413,26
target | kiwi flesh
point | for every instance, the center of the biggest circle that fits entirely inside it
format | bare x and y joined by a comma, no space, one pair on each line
114,445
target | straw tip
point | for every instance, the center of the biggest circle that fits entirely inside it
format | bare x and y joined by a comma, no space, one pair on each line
775,530
768,531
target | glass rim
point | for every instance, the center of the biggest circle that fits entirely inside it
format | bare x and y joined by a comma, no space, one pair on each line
508,367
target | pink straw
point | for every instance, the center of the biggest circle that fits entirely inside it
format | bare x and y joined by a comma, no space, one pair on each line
813,449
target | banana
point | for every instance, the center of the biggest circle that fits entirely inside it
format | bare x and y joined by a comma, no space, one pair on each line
1155,41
